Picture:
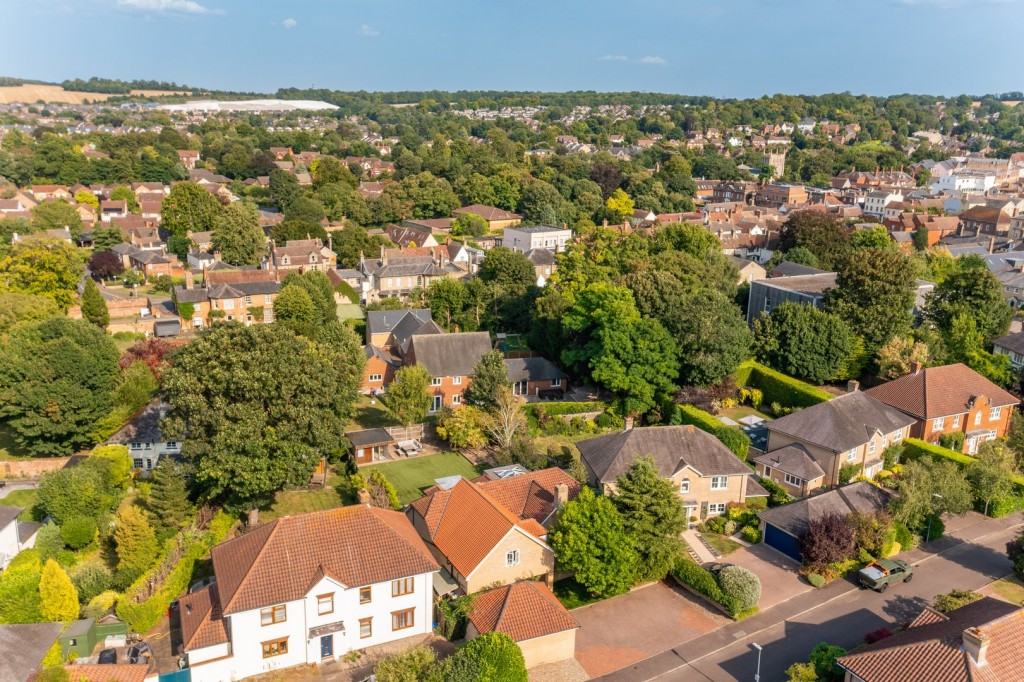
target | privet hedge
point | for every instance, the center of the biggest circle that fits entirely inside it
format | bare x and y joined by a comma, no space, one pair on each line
778,387
731,437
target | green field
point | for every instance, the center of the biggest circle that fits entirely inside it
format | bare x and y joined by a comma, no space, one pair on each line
412,476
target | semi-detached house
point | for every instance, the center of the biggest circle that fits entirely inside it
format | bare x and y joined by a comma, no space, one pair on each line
306,590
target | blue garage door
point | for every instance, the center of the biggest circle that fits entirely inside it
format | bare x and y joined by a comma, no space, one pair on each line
783,542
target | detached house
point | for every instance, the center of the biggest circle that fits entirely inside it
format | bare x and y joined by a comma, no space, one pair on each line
305,590
450,359
707,474
303,255
497,218
808,448
489,532
243,295
15,535
146,444
949,399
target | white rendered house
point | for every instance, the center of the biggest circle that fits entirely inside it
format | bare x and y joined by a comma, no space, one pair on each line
308,589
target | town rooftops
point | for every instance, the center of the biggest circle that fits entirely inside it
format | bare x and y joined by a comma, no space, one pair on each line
789,269
488,213
107,672
523,610
384,321
793,518
1013,343
841,423
948,647
940,391
539,229
672,447
449,355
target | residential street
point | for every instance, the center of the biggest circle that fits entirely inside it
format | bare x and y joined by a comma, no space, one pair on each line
970,557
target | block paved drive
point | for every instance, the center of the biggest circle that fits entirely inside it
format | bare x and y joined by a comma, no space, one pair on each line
778,573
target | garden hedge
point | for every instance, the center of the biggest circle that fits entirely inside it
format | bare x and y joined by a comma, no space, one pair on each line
731,437
703,582
778,387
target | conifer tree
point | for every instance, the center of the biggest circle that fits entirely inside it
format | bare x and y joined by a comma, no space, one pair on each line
168,500
135,540
94,308
59,599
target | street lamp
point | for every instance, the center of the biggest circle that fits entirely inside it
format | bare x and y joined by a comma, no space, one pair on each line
928,533
757,675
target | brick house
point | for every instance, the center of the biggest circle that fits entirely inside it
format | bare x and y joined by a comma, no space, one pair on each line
450,359
488,532
949,399
707,475
243,295
397,272
851,430
380,369
497,218
303,255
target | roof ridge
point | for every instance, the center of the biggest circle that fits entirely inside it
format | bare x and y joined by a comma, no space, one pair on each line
276,523
396,536
504,604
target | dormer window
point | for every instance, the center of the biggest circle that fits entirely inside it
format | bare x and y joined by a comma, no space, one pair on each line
284,260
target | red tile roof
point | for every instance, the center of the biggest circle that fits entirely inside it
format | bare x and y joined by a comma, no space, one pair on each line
202,620
107,672
523,610
532,495
940,391
279,562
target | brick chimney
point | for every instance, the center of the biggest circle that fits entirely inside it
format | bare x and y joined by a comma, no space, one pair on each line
976,645
628,424
916,366
852,386
190,282
216,256
364,496
561,495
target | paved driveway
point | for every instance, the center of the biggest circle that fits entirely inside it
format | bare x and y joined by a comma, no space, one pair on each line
622,630
778,573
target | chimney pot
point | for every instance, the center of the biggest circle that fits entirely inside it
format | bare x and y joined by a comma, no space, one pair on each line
916,366
976,645
852,386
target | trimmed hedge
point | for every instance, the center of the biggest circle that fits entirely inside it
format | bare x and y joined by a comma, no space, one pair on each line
731,437
142,616
778,387
703,582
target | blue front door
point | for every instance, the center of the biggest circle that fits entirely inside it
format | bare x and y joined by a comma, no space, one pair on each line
327,646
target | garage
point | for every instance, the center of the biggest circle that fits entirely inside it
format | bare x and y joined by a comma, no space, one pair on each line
782,541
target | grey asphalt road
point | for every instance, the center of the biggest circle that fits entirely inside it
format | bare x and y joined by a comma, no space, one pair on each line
844,620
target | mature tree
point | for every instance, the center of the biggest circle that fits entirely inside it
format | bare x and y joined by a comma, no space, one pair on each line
714,340
489,376
94,308
87,198
470,225
929,488
896,357
105,264
695,240
294,308
106,238
56,215
876,237
58,598
653,514
305,210
126,195
462,428
953,600
920,238
321,294
330,170
353,242
827,540
821,233
408,398
1015,551
18,309
250,422
589,538
189,208
237,234
802,341
874,295
992,472
974,292
290,230
507,421
798,254
447,300
284,188
619,205
56,378
44,268
134,540
168,502
84,490
496,658
507,268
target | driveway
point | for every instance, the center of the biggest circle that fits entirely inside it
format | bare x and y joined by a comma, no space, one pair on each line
622,630
778,573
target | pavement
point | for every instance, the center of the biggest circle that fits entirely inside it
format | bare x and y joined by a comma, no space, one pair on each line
640,624
970,556
780,581
697,547
18,484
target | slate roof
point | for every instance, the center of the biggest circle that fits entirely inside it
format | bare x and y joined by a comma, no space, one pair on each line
523,610
540,256
841,423
369,437
788,269
279,562
940,391
24,647
794,517
1013,342
793,460
449,355
26,529
533,369
9,514
381,321
672,448
806,284
931,648
144,427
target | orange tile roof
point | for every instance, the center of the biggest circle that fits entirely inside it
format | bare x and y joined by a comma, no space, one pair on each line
939,391
532,495
356,545
107,672
523,610
202,620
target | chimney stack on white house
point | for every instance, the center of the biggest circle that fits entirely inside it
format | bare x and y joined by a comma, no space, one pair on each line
976,645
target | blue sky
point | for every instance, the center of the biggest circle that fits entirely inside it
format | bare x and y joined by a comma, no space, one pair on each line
731,48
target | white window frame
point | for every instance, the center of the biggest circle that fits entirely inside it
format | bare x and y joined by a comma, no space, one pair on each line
897,436
995,413
684,486
555,383
435,381
512,558
716,508
456,381
938,424
871,447
977,418
376,377
793,480
956,421
767,471
715,482
457,399
851,455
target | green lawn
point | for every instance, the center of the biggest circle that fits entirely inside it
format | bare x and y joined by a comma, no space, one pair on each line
337,493
722,544
412,476
740,411
22,498
1009,588
572,594
371,416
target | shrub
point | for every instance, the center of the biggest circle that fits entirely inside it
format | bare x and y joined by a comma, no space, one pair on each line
801,672
815,580
877,635
78,531
903,536
829,539
100,605
58,598
699,578
951,601
953,441
91,578
777,495
49,542
823,658
864,556
777,387
497,657
410,666
731,437
751,535
741,585
848,472
891,456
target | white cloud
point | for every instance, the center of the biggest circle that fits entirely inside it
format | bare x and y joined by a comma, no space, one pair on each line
369,31
614,58
655,61
183,6
289,23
